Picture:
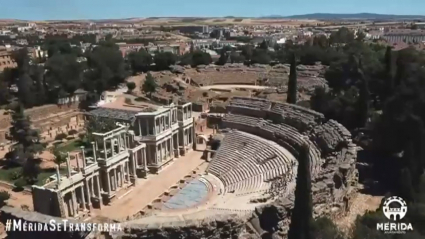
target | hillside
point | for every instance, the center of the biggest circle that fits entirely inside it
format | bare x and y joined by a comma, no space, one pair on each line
331,16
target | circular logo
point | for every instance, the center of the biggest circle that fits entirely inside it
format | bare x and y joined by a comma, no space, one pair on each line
395,213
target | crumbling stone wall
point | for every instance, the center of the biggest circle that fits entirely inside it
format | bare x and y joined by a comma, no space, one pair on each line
43,117
9,213
220,226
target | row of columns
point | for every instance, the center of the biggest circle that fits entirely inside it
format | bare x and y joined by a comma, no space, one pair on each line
80,193
120,141
120,176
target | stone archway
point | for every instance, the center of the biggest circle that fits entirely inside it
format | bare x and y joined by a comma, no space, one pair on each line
201,142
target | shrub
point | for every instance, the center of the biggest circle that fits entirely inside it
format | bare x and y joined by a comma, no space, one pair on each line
72,132
60,136
4,196
128,101
15,175
20,184
25,208
131,86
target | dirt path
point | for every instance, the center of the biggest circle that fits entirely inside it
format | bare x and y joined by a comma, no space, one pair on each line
149,189
360,205
17,199
235,86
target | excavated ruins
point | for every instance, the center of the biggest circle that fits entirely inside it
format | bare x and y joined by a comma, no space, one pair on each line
250,180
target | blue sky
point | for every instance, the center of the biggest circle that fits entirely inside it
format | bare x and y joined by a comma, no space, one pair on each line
104,9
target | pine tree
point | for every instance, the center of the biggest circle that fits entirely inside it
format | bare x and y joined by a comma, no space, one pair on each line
400,72
302,213
27,144
150,85
292,83
223,57
364,96
388,71
406,187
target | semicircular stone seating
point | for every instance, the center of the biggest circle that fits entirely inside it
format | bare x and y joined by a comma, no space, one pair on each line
265,139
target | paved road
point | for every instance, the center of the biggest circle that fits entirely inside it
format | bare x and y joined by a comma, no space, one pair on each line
260,87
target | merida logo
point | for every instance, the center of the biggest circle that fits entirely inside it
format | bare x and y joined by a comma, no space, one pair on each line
394,214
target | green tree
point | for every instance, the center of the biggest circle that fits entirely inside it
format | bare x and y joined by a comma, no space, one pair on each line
22,59
96,125
247,52
390,84
292,83
37,74
27,139
264,45
5,95
223,57
140,61
260,56
26,90
364,97
60,157
131,86
201,58
236,58
164,59
4,196
302,213
150,85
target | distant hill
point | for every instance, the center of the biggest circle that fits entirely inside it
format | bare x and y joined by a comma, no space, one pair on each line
331,16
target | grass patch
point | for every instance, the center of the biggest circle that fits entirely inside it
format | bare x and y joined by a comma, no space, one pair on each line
70,146
6,174
46,173
238,20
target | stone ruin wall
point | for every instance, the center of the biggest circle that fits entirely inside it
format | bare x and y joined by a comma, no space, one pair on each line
222,226
309,76
40,117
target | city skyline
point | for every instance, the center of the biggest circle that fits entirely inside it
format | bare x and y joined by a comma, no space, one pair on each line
97,9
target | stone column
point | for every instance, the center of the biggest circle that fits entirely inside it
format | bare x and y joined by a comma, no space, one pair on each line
145,162
68,165
74,203
99,194
178,144
122,173
170,147
136,164
115,179
140,127
83,197
134,171
98,187
127,171
154,126
92,194
84,156
104,148
112,146
160,152
94,152
108,175
77,158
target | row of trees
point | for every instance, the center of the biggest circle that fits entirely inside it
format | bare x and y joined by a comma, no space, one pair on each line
63,73
379,93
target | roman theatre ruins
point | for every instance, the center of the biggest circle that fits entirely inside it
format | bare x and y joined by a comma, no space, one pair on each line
248,185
